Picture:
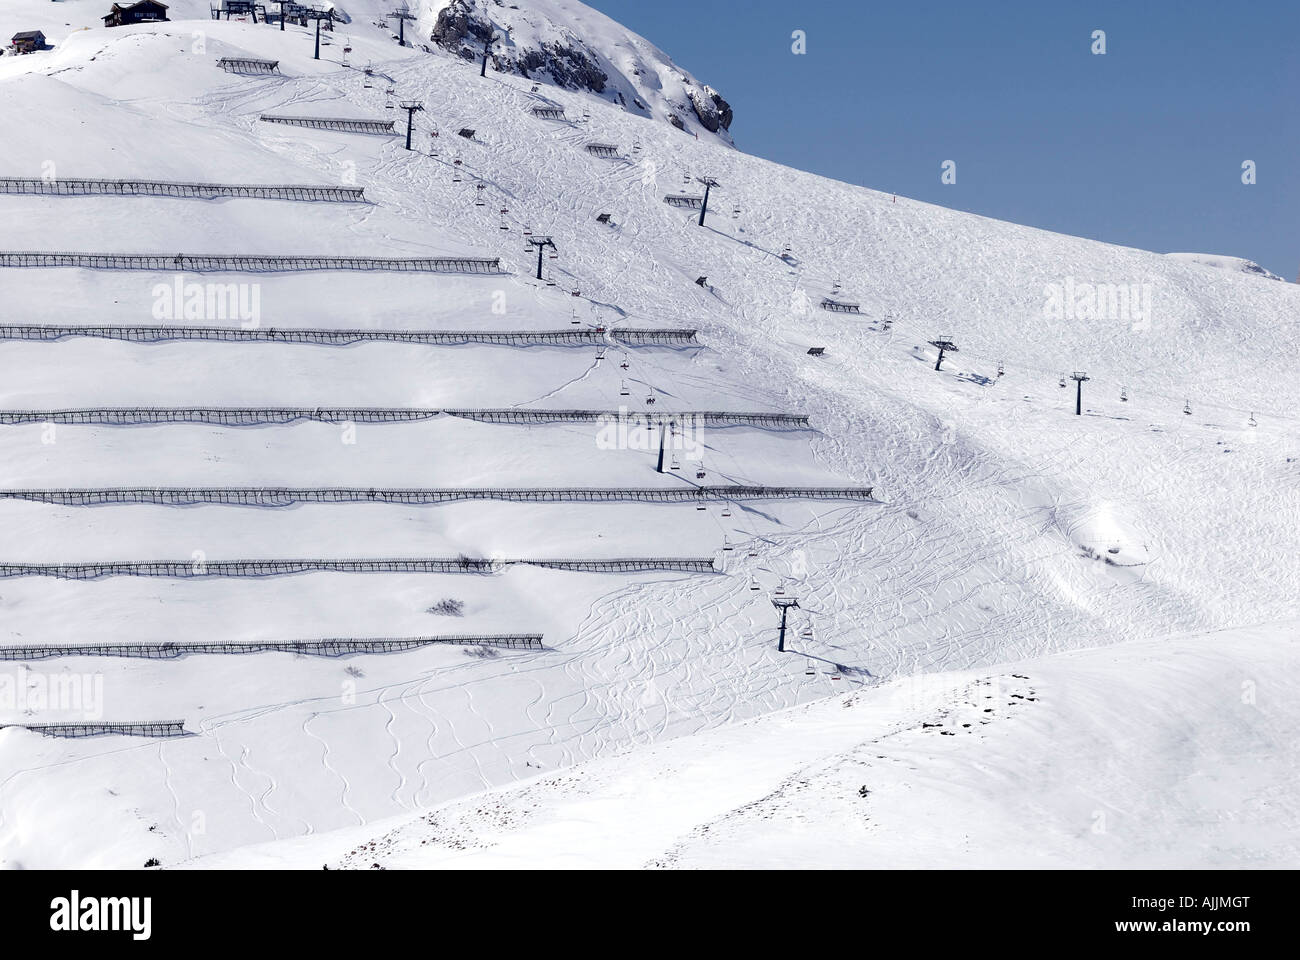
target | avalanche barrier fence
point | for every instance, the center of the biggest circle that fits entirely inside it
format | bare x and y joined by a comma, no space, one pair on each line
328,337
190,569
262,416
168,188
154,728
333,123
341,647
225,263
289,496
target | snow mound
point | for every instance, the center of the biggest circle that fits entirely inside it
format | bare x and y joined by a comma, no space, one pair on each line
1232,264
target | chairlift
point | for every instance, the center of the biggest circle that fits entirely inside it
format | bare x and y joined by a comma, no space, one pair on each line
1123,394
650,400
1187,406
1063,380
726,545
600,354
1252,420
1001,370
753,585
726,511
674,465
624,364
810,670
623,391
700,473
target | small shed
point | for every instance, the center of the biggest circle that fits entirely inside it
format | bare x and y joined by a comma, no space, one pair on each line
145,11
28,41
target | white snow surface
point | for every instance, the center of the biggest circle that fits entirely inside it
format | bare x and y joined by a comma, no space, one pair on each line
1061,762
1007,530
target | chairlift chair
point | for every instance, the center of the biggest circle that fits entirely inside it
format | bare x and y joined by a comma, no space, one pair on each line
1123,394
1252,420
674,465
700,473
753,585
650,400
623,391
1063,381
1187,406
726,511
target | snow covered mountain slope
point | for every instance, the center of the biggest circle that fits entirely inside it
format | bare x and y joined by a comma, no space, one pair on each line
1003,528
1065,761
1235,264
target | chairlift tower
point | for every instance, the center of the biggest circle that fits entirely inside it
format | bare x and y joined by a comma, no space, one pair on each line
709,183
402,16
1078,378
487,49
944,345
784,604
541,243
318,16
412,107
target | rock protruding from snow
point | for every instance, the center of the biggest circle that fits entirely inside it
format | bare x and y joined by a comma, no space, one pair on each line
713,111
577,48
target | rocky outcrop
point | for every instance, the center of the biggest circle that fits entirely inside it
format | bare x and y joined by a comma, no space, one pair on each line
713,111
463,31
544,47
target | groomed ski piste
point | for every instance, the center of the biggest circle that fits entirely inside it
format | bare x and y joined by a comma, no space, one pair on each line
1138,554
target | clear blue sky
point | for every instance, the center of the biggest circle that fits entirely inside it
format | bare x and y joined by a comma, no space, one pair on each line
1142,146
